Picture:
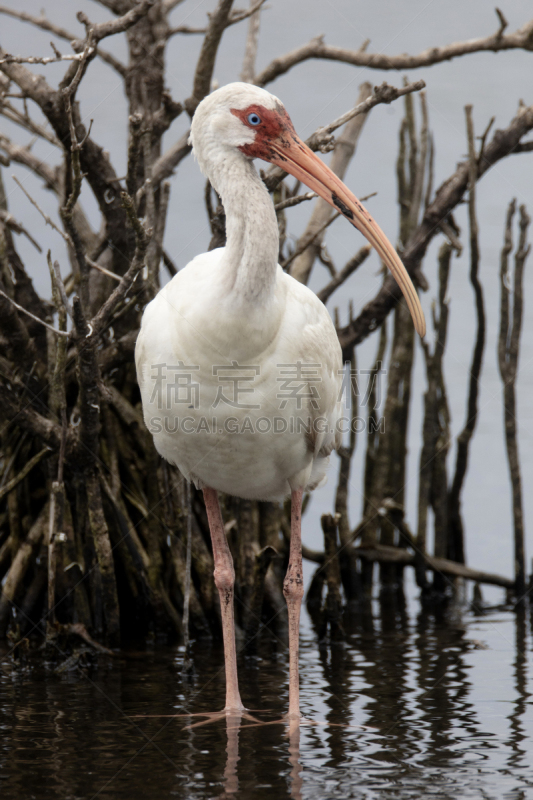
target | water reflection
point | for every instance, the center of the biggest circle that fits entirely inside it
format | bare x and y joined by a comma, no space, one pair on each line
296,767
518,743
231,781
408,706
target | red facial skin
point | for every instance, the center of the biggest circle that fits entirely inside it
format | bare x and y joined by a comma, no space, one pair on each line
275,125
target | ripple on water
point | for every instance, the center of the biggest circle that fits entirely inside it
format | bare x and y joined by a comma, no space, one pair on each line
417,713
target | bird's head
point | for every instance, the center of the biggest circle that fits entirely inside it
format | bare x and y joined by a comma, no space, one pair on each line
243,117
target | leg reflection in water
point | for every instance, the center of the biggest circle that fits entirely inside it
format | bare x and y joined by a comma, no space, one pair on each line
294,760
231,778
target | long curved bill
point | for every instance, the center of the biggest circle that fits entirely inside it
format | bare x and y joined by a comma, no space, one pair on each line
298,159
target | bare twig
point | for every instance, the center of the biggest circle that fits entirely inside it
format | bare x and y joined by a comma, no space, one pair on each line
397,555
381,94
524,147
342,155
103,270
45,25
32,316
101,30
433,400
234,17
19,566
252,39
186,29
294,201
353,264
39,22
7,58
60,299
9,220
142,237
333,576
164,166
8,487
311,237
464,438
45,216
238,15
446,199
322,138
206,61
24,120
520,39
508,353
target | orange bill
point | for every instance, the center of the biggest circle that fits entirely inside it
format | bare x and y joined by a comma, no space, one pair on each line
296,157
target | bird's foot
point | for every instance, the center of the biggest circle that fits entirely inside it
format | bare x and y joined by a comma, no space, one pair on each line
296,721
231,715
235,715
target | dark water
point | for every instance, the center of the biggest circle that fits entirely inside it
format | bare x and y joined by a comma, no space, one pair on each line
410,707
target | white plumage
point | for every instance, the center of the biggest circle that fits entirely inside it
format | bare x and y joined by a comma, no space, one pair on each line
239,365
192,322
236,305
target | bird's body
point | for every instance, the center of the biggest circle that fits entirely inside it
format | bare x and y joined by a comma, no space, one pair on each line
266,441
239,365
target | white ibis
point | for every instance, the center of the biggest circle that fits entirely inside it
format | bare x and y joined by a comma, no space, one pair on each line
239,365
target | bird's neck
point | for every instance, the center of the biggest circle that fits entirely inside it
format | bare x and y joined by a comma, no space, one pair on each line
249,263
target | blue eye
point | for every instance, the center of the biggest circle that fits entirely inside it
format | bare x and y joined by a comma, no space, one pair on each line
253,119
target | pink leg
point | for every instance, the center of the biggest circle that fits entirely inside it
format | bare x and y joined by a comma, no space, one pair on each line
224,580
293,589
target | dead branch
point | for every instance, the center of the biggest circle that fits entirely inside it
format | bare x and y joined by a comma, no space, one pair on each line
102,545
338,280
53,180
508,354
102,30
294,201
24,120
9,220
48,220
117,520
8,487
521,39
19,566
309,239
333,609
348,565
463,440
206,62
342,155
380,95
447,197
44,24
7,58
32,316
104,316
322,138
252,40
167,163
23,155
431,429
234,17
524,147
95,163
397,555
